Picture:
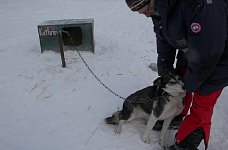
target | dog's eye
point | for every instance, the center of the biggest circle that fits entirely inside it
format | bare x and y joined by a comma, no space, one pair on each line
171,83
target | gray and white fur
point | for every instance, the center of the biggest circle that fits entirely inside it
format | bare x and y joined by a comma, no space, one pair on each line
162,101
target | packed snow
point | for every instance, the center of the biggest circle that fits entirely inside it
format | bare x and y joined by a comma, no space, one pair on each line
46,107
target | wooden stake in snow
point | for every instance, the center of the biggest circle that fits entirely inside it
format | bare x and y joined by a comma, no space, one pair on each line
61,49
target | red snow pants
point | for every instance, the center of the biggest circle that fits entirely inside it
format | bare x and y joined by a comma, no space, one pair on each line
200,115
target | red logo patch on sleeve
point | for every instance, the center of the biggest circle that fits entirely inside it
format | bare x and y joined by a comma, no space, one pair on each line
195,27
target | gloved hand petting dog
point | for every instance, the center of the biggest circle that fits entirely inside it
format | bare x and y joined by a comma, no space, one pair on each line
162,101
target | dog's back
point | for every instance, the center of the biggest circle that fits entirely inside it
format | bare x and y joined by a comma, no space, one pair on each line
145,99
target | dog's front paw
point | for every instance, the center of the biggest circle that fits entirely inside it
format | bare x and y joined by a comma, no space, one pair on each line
146,139
162,144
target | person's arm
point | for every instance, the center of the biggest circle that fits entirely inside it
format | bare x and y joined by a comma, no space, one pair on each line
166,55
166,52
207,35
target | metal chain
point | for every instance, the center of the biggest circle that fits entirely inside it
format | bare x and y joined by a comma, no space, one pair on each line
87,66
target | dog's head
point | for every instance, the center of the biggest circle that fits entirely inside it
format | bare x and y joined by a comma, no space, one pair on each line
114,119
172,83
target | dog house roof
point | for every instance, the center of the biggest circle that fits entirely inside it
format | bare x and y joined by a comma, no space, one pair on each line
67,22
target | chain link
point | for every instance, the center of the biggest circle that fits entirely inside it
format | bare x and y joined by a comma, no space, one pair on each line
87,66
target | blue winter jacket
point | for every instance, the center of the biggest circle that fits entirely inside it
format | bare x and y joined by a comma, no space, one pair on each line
198,29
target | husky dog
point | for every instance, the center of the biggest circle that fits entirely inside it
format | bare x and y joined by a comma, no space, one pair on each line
162,101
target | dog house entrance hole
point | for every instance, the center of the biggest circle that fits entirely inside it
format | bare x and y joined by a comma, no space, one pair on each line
75,35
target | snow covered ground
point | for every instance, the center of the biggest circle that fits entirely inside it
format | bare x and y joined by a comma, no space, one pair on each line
46,107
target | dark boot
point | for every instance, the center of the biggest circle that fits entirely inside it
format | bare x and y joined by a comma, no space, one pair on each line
177,147
174,125
191,142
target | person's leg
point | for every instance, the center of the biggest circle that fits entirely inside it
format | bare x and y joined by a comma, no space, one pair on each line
197,124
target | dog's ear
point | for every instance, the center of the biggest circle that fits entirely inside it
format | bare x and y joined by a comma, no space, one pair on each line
158,81
169,73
